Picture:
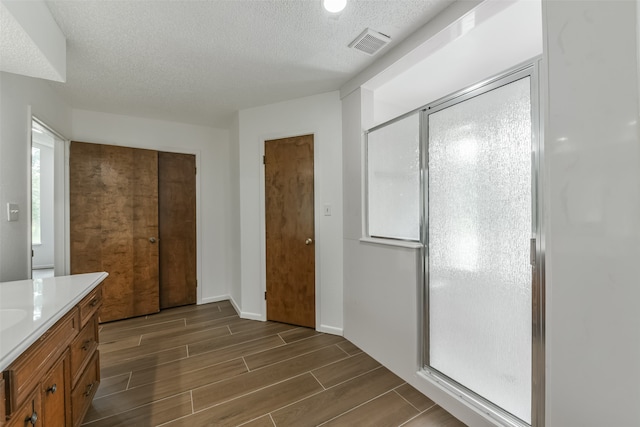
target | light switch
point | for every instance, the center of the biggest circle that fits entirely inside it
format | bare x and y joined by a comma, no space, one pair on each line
12,211
327,210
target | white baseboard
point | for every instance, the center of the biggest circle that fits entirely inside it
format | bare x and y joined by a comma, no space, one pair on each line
217,298
330,330
251,316
257,316
234,305
245,314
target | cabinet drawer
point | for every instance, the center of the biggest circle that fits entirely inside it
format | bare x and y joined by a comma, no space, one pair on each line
29,413
82,348
89,305
25,373
83,393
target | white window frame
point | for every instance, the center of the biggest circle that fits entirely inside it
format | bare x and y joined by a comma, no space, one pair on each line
392,240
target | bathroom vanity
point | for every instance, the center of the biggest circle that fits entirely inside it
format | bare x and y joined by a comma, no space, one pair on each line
49,349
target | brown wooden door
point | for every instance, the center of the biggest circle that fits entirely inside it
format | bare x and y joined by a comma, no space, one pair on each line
290,250
177,221
114,224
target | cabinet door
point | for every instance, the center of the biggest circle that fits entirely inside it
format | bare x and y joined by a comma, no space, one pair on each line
56,405
29,413
3,407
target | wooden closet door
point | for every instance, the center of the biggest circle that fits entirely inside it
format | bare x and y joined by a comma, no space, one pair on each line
177,222
114,224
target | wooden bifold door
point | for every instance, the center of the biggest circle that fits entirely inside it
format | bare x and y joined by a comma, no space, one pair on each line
177,222
116,200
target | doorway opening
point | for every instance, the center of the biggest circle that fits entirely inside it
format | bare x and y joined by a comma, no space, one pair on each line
47,202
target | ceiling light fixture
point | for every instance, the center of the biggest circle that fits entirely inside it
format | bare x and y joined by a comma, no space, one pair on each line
334,6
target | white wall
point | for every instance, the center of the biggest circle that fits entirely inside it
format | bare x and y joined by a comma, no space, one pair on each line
211,147
593,246
17,94
319,115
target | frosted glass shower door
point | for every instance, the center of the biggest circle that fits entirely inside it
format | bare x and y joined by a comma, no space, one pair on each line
479,230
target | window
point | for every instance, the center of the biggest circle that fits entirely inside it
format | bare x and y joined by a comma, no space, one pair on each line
393,179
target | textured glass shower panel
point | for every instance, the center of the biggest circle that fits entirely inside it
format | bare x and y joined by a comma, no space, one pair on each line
393,168
479,229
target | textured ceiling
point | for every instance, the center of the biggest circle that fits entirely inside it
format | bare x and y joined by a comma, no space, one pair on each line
31,44
200,61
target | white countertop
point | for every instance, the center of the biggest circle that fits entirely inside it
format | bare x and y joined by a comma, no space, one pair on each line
28,308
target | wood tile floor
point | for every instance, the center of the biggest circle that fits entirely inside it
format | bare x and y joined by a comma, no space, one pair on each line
204,366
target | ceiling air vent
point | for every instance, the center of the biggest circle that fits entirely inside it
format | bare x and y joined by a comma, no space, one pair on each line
370,42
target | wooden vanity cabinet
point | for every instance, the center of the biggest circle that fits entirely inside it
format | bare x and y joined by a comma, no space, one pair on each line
53,382
85,358
3,408
26,372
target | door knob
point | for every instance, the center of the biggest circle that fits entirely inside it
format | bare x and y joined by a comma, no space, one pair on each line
308,241
152,239
33,419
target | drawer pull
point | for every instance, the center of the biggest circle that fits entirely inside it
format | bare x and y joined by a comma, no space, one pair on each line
33,419
86,344
88,390
52,389
94,302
